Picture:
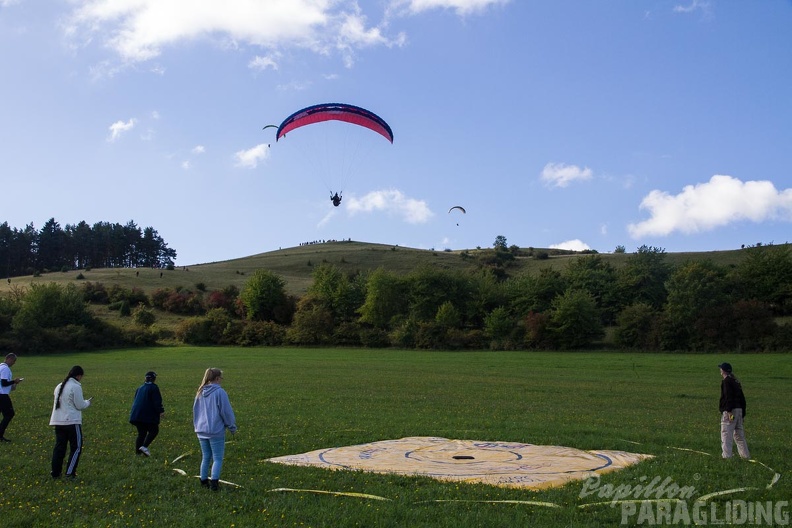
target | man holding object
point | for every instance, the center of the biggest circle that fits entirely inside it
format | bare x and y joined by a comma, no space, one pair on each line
7,384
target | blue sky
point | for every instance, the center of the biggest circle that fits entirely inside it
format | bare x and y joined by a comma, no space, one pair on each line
574,124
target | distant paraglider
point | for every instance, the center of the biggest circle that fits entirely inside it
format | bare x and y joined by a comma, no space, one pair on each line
269,126
459,207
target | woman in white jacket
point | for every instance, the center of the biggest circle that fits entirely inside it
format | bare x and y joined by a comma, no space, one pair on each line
67,419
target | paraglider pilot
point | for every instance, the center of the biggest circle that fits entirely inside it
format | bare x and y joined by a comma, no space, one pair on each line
336,199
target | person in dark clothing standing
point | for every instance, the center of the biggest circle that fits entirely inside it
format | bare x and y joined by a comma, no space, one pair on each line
732,408
7,384
146,412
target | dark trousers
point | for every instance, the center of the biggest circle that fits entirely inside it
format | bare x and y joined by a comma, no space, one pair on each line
7,408
71,435
147,432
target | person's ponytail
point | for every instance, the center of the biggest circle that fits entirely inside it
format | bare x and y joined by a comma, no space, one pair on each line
73,373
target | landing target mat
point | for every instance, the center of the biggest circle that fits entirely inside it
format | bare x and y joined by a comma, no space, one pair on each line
505,464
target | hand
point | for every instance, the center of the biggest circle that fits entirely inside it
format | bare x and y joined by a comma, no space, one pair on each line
19,380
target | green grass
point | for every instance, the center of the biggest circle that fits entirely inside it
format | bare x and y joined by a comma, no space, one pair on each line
291,401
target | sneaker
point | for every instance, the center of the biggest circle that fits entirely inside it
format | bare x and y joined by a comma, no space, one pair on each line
144,450
4,439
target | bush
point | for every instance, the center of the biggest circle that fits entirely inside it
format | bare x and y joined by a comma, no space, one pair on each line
261,333
264,297
346,334
312,325
404,333
637,327
143,316
498,327
195,331
374,338
95,292
50,306
537,331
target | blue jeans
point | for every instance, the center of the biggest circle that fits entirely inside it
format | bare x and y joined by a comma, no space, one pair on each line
212,449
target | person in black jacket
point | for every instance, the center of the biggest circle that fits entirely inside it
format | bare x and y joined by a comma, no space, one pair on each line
732,408
147,410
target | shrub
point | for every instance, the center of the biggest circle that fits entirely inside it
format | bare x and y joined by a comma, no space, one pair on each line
132,296
261,333
194,331
637,327
498,326
374,338
143,316
404,333
347,334
312,325
95,292
264,297
220,299
537,331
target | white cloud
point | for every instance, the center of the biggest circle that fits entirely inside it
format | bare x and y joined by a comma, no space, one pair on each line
696,5
198,149
294,86
573,245
7,3
249,159
262,63
392,202
462,7
185,165
705,206
326,219
155,115
561,174
119,127
139,30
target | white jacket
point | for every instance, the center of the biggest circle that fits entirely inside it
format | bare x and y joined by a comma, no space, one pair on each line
71,404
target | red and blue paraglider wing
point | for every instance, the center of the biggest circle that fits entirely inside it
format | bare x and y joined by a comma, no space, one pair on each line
335,112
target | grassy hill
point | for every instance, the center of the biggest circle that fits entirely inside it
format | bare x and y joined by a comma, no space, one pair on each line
295,265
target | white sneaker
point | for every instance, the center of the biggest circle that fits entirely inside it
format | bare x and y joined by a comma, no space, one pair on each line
144,450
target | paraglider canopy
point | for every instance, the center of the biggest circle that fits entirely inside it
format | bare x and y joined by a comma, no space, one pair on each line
458,207
335,112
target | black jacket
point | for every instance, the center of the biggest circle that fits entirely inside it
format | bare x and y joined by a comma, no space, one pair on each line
732,396
147,406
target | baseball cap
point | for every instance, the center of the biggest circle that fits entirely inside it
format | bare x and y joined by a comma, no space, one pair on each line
726,367
151,374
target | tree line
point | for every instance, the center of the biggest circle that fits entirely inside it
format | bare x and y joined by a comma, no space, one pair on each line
645,304
103,245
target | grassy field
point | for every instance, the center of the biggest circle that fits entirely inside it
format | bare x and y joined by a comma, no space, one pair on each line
295,265
290,401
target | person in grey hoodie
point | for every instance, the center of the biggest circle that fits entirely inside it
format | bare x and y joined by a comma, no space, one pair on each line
212,415
67,419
